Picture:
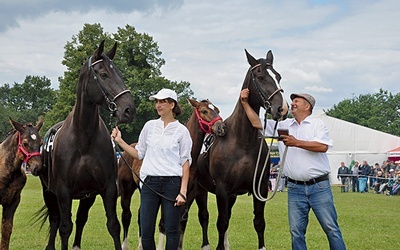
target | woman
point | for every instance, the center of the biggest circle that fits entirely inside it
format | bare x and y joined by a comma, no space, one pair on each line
164,145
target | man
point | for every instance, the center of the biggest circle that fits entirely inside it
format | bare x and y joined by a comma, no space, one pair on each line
354,182
343,174
307,169
362,179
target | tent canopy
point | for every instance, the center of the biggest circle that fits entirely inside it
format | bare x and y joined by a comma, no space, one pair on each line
394,154
355,142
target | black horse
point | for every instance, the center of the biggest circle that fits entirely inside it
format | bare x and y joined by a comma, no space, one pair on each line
79,159
231,167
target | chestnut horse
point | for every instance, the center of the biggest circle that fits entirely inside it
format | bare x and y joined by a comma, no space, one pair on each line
229,168
22,145
79,159
204,120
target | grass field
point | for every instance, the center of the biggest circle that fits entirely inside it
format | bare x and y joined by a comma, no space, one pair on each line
367,221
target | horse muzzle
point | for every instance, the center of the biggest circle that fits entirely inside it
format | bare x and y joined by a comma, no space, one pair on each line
34,165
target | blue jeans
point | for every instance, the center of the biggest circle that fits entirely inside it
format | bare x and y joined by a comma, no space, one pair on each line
168,186
319,198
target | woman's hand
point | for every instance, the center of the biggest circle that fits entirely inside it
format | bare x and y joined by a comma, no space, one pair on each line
116,135
180,200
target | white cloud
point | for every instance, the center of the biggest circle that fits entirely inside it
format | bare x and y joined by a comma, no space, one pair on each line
332,49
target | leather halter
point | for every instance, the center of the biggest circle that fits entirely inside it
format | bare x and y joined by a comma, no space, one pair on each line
206,126
112,106
27,154
266,99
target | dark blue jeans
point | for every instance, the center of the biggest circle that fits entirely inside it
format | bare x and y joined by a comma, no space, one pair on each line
168,186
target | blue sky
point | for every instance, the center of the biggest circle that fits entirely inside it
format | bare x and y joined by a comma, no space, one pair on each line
331,49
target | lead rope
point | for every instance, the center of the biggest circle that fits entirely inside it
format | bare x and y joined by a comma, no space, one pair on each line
257,192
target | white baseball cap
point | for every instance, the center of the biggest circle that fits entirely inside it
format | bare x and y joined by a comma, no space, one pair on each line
164,94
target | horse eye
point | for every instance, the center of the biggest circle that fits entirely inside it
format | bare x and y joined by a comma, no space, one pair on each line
103,75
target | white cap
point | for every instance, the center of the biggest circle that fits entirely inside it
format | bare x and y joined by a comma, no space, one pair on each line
164,94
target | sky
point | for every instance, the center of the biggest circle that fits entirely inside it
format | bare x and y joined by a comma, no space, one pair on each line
333,50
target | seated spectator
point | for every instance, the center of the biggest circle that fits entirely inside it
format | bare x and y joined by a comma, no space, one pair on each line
390,180
379,180
396,185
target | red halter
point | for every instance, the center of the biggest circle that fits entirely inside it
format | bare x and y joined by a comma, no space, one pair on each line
204,125
23,150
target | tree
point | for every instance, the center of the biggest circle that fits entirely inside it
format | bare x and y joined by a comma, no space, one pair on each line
139,60
26,102
380,111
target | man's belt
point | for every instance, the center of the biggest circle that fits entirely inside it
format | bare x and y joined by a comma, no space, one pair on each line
310,182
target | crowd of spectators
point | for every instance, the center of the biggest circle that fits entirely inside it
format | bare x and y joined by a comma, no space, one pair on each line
380,179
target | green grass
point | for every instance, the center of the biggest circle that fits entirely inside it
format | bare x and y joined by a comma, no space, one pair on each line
367,221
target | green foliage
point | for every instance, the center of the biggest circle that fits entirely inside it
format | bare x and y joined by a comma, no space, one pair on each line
380,111
26,102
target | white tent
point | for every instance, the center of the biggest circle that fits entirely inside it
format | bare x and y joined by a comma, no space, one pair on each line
355,142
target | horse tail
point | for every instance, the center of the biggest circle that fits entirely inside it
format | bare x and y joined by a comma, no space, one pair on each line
40,217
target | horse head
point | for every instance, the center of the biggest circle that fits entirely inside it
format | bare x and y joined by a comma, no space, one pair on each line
265,90
104,85
29,143
208,117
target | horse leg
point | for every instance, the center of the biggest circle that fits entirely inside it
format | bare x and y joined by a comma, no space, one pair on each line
65,204
140,246
203,215
225,205
110,205
127,190
53,212
8,221
81,219
259,221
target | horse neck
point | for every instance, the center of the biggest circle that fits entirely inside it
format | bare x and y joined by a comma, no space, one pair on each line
9,149
239,124
197,135
85,114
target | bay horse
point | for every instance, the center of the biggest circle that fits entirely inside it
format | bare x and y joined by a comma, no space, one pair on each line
22,145
229,167
204,120
79,159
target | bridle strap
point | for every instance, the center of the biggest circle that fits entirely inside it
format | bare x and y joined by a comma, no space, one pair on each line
27,154
205,126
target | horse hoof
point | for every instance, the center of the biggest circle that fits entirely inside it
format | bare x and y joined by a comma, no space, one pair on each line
207,247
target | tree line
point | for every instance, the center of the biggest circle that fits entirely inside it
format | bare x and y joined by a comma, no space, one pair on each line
139,60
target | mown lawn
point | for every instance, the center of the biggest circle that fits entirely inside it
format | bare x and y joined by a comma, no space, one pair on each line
368,221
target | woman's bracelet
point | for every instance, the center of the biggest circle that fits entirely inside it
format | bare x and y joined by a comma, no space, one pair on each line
183,196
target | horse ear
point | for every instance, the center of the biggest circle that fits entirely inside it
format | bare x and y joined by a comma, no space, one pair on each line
19,127
39,124
270,57
99,51
112,51
252,61
192,102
